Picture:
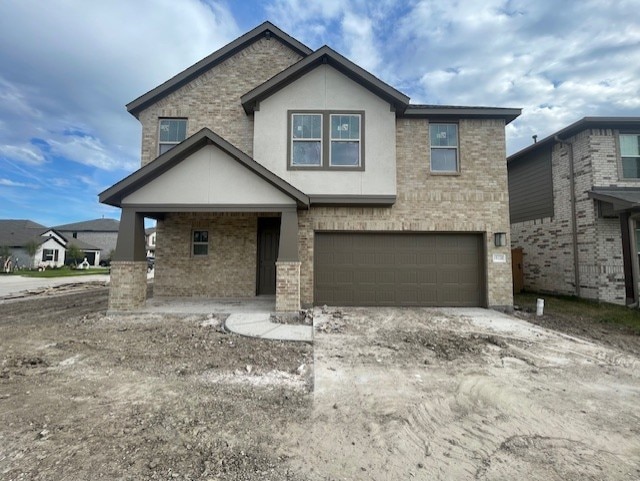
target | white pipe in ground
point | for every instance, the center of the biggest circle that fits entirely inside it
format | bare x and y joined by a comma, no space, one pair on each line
540,307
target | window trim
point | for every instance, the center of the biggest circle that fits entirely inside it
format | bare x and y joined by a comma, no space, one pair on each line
457,149
292,140
194,243
173,144
331,140
326,141
619,156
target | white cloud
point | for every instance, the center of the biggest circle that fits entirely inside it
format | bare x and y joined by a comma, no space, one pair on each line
11,183
23,153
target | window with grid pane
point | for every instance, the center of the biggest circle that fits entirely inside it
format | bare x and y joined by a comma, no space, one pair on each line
172,132
306,139
630,155
200,243
345,140
444,147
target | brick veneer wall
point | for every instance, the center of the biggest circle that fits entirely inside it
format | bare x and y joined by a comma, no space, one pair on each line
548,243
229,270
288,286
213,99
128,288
474,201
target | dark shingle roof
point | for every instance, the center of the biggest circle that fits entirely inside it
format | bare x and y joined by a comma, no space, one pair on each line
17,232
96,225
80,244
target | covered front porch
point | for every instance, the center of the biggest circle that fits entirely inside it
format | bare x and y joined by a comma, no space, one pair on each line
226,228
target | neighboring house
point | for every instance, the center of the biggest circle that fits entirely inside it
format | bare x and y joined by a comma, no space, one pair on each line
101,233
150,241
16,235
275,169
575,201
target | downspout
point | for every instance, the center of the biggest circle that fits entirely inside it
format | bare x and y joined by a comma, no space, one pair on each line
574,220
635,267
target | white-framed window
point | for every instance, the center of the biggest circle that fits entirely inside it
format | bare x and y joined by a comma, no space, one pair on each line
171,133
345,140
49,255
306,140
630,155
200,243
444,147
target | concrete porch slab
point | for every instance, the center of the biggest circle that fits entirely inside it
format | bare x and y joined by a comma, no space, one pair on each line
260,325
197,305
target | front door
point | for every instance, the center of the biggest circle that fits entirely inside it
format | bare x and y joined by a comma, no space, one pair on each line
268,241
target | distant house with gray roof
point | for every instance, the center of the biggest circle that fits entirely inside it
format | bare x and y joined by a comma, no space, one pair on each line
102,233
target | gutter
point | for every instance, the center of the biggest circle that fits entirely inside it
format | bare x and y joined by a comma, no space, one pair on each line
574,220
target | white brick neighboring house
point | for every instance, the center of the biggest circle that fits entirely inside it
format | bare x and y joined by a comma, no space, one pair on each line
272,168
574,206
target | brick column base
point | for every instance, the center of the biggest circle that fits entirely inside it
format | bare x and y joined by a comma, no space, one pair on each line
128,287
287,286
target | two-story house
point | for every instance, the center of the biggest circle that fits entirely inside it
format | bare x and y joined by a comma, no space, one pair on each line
275,169
575,201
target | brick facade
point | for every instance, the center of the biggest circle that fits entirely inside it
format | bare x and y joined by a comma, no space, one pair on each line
213,99
288,286
128,289
548,243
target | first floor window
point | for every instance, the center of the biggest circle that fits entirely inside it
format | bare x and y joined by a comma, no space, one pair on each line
49,255
200,243
444,147
345,140
172,132
306,139
630,155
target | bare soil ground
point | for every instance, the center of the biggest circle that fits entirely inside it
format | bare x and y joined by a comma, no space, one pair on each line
384,394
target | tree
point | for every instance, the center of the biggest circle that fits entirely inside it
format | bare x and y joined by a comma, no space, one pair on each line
5,253
74,253
32,248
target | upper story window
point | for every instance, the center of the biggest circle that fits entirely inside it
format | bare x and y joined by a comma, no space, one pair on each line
172,132
630,155
326,140
444,147
306,139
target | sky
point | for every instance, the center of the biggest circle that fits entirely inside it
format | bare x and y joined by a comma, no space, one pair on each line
68,67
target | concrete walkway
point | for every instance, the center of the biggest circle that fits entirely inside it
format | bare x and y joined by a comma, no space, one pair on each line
11,285
258,324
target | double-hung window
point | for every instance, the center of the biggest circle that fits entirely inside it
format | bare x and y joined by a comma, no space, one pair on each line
200,243
444,147
326,140
172,132
630,155
306,140
345,140
49,255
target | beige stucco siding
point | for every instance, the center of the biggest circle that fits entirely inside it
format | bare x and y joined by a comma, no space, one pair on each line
324,88
209,176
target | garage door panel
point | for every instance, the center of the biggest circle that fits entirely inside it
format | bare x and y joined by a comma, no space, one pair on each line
388,269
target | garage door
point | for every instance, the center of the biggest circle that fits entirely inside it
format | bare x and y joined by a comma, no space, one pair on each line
360,269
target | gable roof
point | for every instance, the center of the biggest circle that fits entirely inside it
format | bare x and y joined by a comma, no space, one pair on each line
266,29
576,127
95,225
82,245
18,232
450,112
115,194
324,55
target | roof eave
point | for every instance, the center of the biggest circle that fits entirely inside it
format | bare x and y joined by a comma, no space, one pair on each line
451,112
251,99
265,29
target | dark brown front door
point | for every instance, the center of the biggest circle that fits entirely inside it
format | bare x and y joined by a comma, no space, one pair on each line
268,241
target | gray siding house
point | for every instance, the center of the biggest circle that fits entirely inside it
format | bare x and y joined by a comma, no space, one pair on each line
272,168
574,208
101,233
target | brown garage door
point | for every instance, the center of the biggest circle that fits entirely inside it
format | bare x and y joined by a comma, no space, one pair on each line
360,269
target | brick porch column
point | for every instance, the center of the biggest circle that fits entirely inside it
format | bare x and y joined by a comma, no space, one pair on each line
128,289
288,264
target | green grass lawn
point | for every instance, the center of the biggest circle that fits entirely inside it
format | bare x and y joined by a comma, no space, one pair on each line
573,307
62,272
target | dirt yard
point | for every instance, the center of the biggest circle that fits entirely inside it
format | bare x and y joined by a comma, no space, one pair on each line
399,394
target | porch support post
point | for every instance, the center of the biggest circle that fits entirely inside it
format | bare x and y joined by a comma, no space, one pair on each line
128,288
627,259
288,264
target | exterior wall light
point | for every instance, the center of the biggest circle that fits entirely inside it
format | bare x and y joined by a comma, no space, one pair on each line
500,239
